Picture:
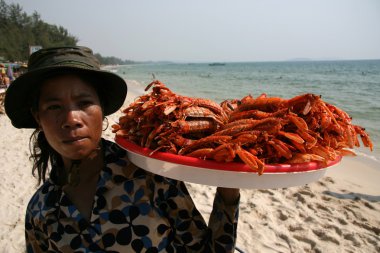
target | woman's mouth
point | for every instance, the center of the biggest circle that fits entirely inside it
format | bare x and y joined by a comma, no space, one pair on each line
73,140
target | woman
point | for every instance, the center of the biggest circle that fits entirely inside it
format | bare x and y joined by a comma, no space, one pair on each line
93,199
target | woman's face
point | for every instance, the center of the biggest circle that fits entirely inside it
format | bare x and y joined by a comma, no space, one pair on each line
70,114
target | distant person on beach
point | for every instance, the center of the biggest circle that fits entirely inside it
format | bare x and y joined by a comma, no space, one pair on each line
5,79
10,73
92,198
2,85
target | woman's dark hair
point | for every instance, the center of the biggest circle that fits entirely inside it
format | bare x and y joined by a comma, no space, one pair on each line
41,153
40,150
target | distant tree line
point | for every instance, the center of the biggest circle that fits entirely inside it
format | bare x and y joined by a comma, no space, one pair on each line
18,31
111,60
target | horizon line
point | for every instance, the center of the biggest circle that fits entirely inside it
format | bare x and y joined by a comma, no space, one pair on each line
254,61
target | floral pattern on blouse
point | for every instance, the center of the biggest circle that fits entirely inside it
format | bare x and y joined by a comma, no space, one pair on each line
133,211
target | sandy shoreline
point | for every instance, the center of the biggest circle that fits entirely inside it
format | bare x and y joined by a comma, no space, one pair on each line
339,213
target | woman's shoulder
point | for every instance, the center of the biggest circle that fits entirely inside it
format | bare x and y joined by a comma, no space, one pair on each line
44,198
112,151
117,164
117,159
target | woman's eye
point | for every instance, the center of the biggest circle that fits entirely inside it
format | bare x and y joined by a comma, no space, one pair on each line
85,103
53,107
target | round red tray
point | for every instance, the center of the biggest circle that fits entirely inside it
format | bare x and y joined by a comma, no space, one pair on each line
231,174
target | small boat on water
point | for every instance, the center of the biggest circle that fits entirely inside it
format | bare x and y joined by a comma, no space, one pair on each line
217,64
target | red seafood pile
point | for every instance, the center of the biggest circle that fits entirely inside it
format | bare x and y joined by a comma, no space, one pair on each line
256,131
165,121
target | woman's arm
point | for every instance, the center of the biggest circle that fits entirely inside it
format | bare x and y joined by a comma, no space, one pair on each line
230,196
224,219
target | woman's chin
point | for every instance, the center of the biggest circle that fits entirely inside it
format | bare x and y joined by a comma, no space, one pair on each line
82,154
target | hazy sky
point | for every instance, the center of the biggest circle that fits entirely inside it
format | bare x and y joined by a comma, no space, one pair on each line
208,30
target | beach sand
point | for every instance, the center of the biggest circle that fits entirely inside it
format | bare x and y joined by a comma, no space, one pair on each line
338,213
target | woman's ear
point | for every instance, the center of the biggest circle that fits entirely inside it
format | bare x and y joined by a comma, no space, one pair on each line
36,116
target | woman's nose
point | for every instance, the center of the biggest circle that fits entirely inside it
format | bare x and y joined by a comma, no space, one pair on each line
72,120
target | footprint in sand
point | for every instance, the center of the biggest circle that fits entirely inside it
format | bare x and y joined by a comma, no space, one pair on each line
369,205
304,239
342,221
324,208
299,197
266,191
337,229
329,179
282,216
307,193
293,228
352,237
368,227
349,209
326,180
321,233
325,198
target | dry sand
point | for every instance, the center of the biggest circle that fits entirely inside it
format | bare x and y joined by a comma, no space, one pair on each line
338,213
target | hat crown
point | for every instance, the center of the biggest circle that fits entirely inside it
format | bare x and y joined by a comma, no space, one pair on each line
75,56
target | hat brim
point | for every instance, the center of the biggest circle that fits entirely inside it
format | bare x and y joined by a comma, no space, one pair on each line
17,102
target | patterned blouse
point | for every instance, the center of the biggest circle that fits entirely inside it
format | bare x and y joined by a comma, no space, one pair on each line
133,211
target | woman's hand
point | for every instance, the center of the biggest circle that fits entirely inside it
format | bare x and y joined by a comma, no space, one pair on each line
230,196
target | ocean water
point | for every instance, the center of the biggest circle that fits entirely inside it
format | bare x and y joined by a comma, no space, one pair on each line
353,86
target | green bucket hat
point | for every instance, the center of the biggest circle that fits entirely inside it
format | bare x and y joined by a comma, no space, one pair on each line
45,62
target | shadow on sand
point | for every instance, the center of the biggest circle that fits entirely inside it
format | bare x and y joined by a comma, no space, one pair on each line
353,196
